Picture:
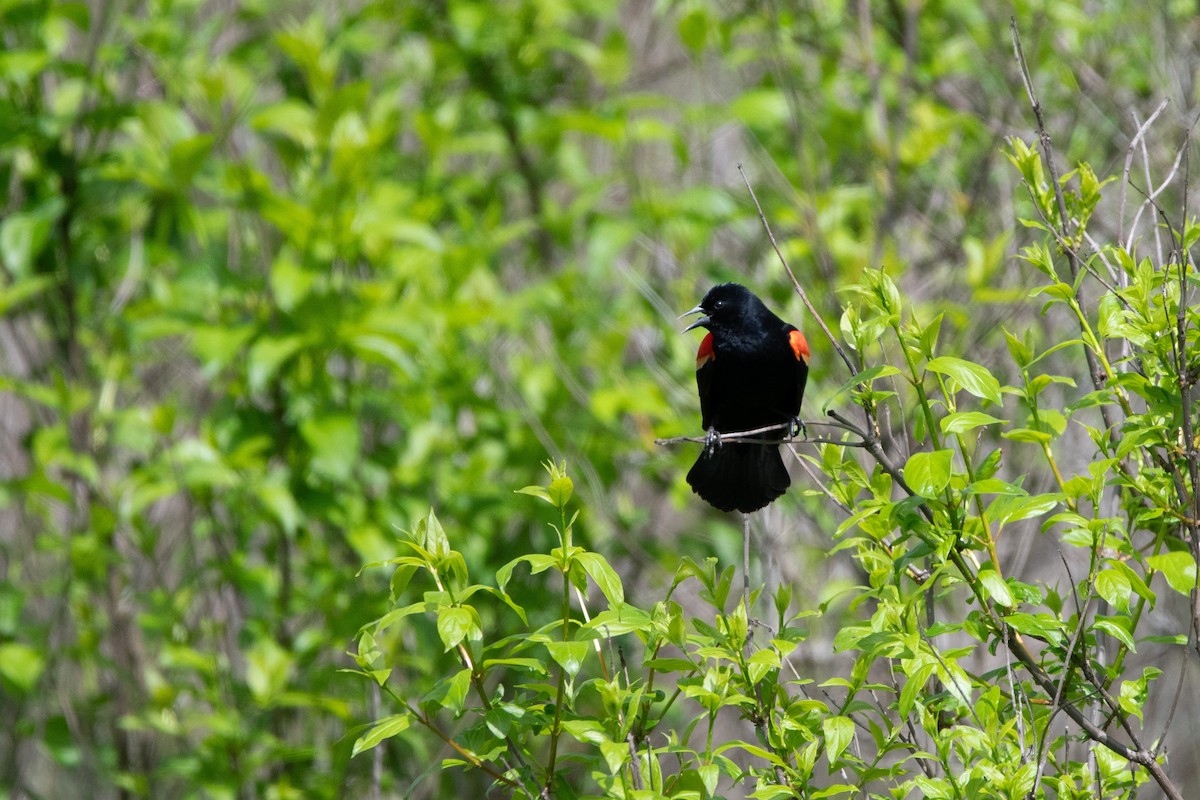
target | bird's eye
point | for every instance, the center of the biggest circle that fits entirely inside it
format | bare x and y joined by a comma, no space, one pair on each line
718,304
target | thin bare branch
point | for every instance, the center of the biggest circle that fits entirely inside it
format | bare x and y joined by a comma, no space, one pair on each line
753,436
1133,143
854,370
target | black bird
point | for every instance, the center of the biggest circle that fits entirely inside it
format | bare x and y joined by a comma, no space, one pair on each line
751,369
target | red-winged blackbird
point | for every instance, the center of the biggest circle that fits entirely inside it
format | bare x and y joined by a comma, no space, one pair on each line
751,369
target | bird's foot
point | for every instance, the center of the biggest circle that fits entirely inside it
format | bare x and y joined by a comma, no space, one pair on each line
712,441
796,428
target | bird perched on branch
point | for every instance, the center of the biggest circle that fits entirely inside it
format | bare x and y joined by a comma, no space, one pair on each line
750,369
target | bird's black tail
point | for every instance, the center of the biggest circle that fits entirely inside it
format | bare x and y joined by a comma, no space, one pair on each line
739,476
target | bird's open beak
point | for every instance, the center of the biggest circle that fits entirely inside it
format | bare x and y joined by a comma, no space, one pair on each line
700,323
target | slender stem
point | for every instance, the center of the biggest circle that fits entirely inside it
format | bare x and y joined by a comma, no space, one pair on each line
799,289
560,694
746,564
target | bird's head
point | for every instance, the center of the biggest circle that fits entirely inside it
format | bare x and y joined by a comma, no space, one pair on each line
723,307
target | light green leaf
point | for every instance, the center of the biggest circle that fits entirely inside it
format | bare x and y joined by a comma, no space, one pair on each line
268,670
24,234
928,473
1014,507
452,693
267,355
455,623
385,728
709,773
278,499
290,282
1043,626
604,575
21,664
1117,627
336,445
615,754
538,562
1178,567
839,731
569,655
970,376
964,421
764,108
1111,315
15,294
536,491
1114,587
866,378
996,587
1027,435
1135,582
560,491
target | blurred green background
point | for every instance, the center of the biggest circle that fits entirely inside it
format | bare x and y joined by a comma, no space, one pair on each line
277,277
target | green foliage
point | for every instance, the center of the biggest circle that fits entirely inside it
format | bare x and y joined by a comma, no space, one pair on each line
277,278
708,700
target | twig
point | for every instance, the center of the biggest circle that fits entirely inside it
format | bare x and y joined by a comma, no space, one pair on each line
799,289
1043,136
1133,143
746,569
750,436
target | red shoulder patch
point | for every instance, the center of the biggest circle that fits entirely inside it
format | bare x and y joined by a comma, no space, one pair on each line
705,354
799,345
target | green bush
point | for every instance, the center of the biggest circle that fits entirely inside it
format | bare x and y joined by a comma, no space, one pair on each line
278,278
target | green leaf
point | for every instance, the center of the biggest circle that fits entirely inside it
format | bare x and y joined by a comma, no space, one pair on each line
1015,507
13,295
21,664
914,686
929,335
866,378
765,108
290,282
1021,352
385,728
839,731
1135,582
336,445
970,376
266,356
1027,435
433,536
536,491
1178,567
560,491
693,29
569,655
604,575
277,499
538,562
24,234
451,692
615,754
1118,628
268,670
1114,587
1111,316
963,421
996,587
1042,626
709,773
928,473
455,623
